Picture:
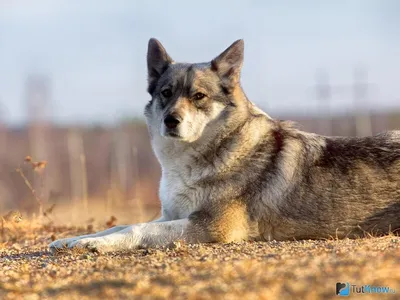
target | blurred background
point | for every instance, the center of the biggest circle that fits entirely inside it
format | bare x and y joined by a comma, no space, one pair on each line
73,86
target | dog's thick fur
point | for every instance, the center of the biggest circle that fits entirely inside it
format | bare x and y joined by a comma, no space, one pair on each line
232,173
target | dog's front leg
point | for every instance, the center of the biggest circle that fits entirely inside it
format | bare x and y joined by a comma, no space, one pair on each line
67,242
145,235
62,243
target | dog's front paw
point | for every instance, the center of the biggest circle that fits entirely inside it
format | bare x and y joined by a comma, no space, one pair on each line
91,244
63,244
60,244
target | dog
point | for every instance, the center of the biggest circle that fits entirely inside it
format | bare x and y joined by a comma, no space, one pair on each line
232,173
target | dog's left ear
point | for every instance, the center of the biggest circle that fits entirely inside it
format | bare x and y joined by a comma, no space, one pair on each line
158,61
229,63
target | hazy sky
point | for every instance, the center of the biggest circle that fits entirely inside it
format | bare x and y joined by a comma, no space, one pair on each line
94,50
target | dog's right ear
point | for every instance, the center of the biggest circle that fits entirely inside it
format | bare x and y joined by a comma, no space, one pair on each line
229,63
158,61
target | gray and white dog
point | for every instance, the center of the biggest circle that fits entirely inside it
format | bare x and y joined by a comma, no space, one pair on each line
232,173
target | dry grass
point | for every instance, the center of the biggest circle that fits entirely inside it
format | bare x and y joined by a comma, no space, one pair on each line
285,270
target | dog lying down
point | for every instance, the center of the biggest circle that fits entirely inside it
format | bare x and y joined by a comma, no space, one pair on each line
232,173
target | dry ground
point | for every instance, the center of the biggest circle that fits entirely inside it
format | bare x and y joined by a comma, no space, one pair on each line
284,270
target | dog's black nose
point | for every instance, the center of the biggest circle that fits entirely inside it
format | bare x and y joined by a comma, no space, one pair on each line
172,121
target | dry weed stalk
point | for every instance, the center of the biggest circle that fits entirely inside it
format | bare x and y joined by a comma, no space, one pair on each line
37,167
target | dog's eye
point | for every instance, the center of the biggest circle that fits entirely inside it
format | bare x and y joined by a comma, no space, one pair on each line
166,93
198,96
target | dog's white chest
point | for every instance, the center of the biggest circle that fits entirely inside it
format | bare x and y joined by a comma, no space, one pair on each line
179,196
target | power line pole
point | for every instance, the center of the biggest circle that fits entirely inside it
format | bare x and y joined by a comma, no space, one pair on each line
361,89
37,97
324,97
3,135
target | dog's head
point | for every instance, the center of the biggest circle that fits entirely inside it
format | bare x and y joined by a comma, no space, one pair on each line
186,98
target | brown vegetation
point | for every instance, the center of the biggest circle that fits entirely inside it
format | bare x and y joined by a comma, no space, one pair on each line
256,270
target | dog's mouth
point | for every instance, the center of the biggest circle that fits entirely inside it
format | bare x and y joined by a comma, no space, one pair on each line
172,134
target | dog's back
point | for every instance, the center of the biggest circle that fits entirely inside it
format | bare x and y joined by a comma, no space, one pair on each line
344,187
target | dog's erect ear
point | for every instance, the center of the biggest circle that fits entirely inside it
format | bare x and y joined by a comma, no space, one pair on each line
229,63
158,61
